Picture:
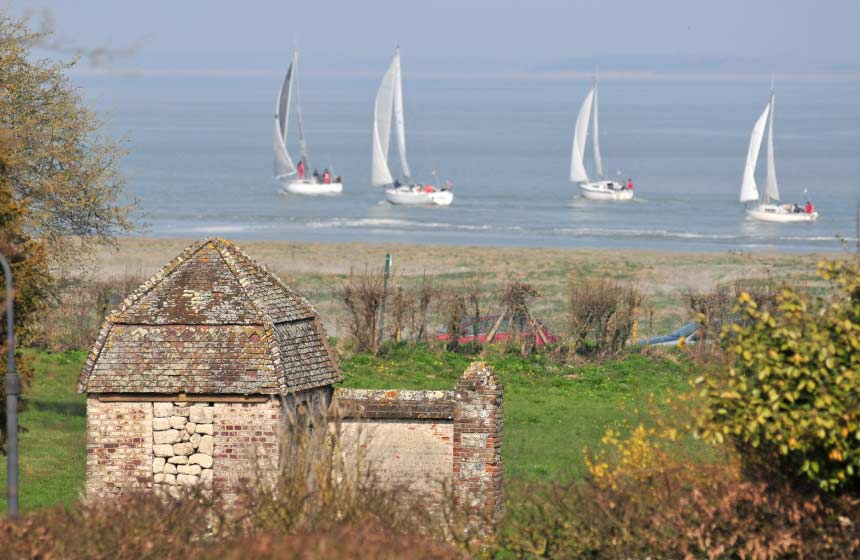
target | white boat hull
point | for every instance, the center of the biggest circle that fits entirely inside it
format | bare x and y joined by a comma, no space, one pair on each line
605,190
309,187
781,214
405,196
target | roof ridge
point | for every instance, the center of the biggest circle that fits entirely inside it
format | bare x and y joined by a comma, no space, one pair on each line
232,252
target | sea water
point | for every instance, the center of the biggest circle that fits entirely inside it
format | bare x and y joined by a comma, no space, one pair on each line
200,159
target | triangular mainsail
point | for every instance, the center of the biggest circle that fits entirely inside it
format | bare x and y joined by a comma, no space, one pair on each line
749,191
398,119
283,164
577,166
598,162
303,145
380,173
771,188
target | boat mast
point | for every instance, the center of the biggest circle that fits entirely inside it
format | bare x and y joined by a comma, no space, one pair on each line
598,162
303,146
771,189
399,123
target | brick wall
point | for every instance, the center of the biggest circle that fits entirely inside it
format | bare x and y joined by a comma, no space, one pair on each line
246,444
434,441
478,425
411,454
119,447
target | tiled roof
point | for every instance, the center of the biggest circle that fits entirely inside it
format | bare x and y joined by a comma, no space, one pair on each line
211,322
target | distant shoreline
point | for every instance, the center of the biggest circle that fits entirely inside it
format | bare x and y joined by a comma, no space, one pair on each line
637,75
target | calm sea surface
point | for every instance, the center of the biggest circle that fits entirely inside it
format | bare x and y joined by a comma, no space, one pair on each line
200,160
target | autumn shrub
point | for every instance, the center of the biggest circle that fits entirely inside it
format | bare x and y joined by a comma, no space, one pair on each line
453,310
194,525
361,294
790,401
602,314
718,307
74,318
682,511
644,499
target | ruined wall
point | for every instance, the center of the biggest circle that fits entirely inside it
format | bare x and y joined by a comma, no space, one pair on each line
119,447
436,444
404,437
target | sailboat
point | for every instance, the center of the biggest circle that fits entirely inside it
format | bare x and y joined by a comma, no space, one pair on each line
768,209
389,99
295,178
601,189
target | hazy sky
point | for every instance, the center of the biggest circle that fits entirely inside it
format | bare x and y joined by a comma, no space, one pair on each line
535,35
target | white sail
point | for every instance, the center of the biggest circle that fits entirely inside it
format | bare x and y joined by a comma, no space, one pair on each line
398,119
283,164
771,188
380,173
749,191
577,167
598,162
303,145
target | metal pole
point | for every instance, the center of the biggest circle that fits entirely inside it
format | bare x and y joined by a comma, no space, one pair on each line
385,276
13,389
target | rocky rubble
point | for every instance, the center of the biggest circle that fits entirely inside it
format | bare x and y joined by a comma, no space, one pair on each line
182,443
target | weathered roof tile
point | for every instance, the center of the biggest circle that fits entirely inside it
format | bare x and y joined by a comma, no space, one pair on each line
214,322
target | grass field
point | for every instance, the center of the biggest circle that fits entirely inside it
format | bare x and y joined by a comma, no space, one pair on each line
551,411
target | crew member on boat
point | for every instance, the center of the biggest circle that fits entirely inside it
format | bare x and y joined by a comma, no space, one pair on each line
629,184
326,177
301,169
810,208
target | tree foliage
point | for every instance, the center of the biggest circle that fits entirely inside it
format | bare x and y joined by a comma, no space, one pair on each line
792,398
28,259
60,189
63,171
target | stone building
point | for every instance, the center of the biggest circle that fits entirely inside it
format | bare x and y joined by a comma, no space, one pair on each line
186,380
191,378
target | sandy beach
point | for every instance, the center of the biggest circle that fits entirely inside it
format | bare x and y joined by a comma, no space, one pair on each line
315,269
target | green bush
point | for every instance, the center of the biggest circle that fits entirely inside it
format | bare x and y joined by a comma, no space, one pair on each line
792,397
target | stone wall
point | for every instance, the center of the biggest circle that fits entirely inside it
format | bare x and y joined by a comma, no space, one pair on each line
403,437
119,447
182,443
433,443
425,442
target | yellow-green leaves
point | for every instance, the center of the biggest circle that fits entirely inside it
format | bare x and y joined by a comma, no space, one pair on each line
792,396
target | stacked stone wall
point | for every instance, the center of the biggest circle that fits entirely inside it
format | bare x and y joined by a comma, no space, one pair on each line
183,446
119,447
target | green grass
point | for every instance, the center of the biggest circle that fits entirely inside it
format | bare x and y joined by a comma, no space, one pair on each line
551,411
53,447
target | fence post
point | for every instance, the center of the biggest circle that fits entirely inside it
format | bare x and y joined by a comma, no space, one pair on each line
13,389
385,275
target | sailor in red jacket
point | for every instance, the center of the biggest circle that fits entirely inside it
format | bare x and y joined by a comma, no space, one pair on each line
301,169
810,208
629,184
326,178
